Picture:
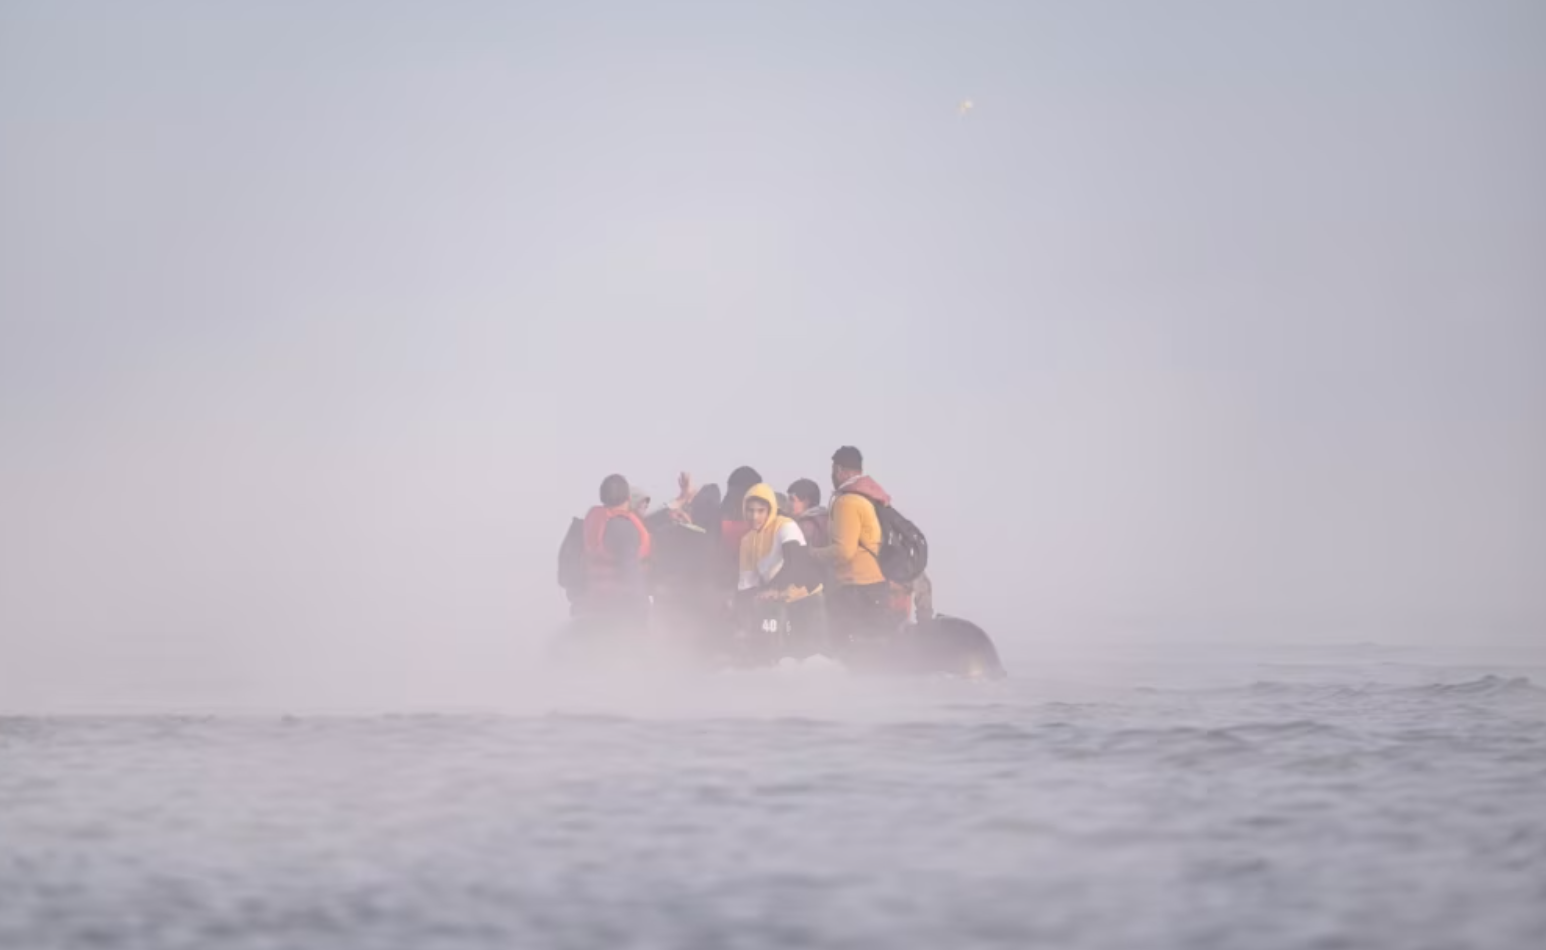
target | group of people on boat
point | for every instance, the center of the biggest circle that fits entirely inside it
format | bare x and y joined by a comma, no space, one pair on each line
712,562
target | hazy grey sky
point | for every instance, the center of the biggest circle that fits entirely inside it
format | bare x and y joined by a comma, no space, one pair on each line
318,320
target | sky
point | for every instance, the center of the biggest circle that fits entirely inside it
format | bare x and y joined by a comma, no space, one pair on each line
319,321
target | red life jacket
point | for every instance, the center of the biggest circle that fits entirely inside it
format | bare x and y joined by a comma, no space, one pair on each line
730,535
600,565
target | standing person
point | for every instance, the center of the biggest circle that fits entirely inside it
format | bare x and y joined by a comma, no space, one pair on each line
617,545
901,598
861,601
806,509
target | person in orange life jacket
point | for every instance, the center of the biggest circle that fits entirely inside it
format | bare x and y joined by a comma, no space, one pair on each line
863,603
617,545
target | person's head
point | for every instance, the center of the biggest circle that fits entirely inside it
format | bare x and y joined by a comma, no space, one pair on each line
847,462
742,479
639,501
757,513
705,508
803,496
760,505
614,491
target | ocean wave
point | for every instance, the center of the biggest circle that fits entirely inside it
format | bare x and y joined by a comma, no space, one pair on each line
1489,685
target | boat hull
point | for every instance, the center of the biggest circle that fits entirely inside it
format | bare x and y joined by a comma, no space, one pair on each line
948,646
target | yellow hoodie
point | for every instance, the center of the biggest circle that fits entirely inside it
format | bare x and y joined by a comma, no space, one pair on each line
762,552
855,537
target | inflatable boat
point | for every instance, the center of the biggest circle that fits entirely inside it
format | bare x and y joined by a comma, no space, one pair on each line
765,637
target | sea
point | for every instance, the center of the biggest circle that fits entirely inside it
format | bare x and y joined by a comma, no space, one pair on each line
1338,796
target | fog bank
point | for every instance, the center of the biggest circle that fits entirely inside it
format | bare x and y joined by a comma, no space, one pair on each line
1208,324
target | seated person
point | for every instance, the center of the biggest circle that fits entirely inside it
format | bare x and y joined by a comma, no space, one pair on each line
772,543
806,509
776,568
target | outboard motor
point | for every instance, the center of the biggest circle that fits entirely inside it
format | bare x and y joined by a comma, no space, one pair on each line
956,647
758,634
767,632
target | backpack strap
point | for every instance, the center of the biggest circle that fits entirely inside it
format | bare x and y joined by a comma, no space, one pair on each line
877,506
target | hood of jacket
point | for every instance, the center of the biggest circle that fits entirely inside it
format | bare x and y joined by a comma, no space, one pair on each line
866,486
766,539
813,513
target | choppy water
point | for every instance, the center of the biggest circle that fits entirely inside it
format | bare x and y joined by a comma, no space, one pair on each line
1332,803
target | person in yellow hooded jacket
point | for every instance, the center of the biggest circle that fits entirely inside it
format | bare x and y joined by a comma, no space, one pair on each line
776,569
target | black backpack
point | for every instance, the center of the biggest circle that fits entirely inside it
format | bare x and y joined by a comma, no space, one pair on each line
904,551
571,558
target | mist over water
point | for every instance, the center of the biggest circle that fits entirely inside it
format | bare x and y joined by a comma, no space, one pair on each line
316,327
1356,798
1209,349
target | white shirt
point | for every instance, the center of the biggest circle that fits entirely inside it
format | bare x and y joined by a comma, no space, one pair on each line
768,568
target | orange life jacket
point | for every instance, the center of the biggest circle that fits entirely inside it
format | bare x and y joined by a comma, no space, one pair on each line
600,565
730,535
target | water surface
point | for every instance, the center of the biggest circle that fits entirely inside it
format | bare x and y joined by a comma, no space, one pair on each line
1334,800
